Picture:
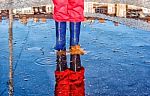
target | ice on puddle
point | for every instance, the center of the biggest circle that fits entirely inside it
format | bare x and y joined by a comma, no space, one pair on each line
147,62
26,79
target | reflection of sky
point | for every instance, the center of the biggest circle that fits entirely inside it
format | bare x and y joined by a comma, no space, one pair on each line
117,62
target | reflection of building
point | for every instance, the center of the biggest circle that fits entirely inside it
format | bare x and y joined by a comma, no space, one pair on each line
36,19
102,20
43,20
24,20
116,23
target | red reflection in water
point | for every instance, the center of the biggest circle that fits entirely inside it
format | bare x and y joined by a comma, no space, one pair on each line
69,81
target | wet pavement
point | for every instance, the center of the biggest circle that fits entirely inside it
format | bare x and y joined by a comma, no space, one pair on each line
117,62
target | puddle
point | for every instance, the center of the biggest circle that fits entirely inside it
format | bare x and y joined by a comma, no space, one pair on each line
4,53
106,55
45,61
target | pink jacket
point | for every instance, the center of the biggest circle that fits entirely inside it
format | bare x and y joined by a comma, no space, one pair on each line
68,10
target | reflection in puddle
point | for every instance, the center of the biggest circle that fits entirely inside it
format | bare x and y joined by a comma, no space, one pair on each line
69,81
11,88
110,48
101,20
116,23
36,20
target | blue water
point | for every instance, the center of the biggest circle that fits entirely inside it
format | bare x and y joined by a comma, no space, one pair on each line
117,62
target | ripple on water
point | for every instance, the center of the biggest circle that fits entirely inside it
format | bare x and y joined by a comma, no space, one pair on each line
46,61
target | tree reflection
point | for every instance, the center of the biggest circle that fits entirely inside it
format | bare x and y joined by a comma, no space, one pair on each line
11,89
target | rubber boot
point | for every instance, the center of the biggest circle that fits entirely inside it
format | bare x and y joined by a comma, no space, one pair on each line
74,38
60,36
74,33
75,63
61,61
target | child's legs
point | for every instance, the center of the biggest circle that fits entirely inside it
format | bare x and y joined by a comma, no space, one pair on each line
60,36
76,15
60,13
74,33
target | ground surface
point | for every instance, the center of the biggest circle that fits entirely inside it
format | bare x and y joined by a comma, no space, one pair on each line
117,62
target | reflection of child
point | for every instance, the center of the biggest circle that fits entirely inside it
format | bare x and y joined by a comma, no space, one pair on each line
69,81
71,11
